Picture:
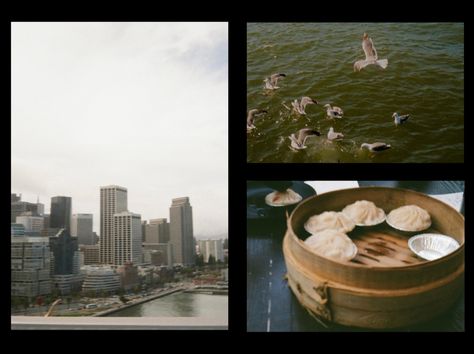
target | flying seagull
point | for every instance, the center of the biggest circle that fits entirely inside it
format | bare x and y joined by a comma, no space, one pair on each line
400,119
251,118
332,135
298,140
371,56
271,81
375,146
299,107
333,112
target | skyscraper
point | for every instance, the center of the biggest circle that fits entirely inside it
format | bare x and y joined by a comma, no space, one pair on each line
60,215
181,231
65,251
157,231
127,238
113,200
81,227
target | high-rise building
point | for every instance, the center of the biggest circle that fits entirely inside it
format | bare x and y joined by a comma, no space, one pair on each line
81,227
33,224
90,254
144,223
15,197
30,266
19,207
65,253
211,247
158,254
113,200
127,238
181,231
157,231
60,216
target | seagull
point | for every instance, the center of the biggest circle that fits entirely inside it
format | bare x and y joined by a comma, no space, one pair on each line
271,82
332,135
298,139
333,112
370,55
299,107
400,119
375,146
251,118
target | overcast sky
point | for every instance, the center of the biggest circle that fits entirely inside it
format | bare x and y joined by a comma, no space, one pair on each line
140,105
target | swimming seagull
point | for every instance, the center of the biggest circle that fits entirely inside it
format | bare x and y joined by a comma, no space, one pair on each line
298,140
371,56
271,81
333,112
375,146
299,107
400,119
251,118
332,135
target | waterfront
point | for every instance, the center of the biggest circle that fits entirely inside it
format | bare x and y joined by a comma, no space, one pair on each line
424,78
179,305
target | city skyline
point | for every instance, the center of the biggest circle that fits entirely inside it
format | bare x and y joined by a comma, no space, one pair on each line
142,105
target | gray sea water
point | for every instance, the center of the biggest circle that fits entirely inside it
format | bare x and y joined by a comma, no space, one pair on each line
424,78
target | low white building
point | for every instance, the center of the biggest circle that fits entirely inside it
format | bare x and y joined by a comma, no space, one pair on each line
31,223
211,247
100,279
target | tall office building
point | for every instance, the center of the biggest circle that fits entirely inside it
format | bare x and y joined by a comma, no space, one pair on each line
113,200
65,253
60,215
81,227
127,238
157,231
181,231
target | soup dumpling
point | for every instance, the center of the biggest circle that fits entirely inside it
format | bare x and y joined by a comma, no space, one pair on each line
329,220
288,197
332,244
364,213
409,218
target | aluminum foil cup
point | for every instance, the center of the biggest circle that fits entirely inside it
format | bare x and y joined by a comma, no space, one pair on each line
432,246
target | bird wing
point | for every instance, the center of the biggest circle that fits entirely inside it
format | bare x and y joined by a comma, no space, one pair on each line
369,49
250,117
274,78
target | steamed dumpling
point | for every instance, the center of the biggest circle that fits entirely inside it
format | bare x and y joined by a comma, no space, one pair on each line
329,220
332,244
409,218
288,197
364,212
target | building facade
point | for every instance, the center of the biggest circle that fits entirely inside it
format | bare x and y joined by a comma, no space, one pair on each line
127,238
81,227
211,247
181,231
89,254
32,224
99,279
60,214
157,231
113,200
30,266
65,252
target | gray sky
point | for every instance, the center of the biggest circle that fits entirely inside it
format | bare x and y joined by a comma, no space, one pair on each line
141,105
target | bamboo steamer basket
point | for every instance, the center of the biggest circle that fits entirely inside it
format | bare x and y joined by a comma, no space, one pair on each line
386,285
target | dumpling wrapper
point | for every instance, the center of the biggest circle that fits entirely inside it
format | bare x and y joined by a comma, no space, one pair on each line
409,218
283,198
332,244
332,220
364,213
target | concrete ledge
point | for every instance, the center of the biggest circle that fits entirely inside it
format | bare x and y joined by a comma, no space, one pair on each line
117,323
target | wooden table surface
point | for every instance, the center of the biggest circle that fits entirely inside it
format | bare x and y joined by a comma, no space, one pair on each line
271,305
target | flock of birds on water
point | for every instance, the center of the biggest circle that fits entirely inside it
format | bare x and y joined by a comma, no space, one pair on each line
299,138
